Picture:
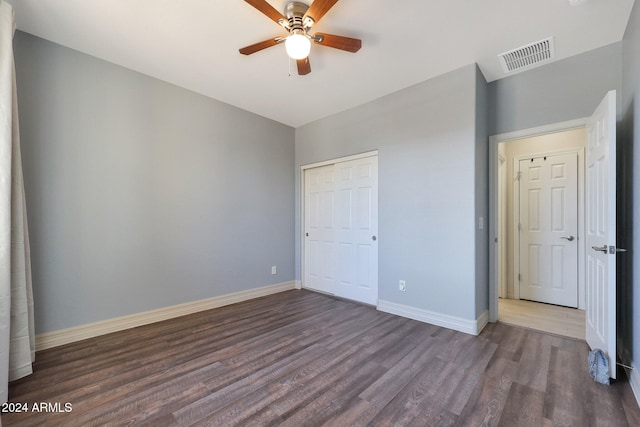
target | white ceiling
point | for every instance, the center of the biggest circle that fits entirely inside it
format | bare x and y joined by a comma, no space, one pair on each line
194,44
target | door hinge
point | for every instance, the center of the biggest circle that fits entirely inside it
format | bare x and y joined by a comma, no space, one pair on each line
519,277
519,227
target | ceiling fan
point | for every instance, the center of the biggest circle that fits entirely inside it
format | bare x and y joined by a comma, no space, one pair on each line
298,19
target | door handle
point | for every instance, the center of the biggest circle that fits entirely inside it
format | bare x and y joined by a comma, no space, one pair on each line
570,238
600,249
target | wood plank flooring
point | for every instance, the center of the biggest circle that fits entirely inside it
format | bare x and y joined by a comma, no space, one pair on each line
303,359
569,322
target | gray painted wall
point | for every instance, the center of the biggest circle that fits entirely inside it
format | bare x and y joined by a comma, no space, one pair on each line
560,91
426,137
482,193
141,194
629,144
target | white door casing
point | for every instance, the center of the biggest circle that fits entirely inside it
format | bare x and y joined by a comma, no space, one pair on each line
341,227
502,226
601,230
548,229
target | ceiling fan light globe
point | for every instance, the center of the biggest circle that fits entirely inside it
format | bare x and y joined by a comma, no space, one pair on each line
297,46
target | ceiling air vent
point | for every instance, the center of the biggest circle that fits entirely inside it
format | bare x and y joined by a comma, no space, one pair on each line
526,56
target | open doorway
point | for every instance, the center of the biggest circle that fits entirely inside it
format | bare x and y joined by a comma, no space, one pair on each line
539,224
598,269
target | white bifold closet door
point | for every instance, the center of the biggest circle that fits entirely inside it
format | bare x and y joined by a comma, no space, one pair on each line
341,229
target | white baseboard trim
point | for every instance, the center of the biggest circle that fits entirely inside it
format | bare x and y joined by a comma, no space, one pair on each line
634,381
90,330
298,284
473,327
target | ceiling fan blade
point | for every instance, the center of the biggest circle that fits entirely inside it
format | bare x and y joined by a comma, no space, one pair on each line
248,50
337,42
268,10
318,8
304,66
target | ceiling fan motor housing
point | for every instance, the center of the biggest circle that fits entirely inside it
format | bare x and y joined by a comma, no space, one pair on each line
294,11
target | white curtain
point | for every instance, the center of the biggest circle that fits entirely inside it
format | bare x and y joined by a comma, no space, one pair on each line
17,338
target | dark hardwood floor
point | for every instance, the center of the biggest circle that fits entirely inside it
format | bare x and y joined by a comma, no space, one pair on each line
303,359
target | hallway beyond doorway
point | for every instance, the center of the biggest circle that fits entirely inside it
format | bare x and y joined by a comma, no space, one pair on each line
568,322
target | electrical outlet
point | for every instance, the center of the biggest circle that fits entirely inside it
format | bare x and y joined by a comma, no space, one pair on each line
273,269
402,285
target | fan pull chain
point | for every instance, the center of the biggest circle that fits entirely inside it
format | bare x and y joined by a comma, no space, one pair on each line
289,67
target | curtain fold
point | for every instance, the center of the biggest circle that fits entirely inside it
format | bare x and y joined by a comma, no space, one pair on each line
17,337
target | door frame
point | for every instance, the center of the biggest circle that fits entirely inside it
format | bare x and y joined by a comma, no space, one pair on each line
303,168
501,229
580,226
494,140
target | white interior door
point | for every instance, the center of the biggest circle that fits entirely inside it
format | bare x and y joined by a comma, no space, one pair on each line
320,229
601,230
341,227
549,229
